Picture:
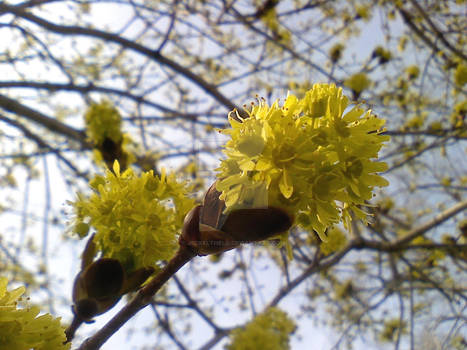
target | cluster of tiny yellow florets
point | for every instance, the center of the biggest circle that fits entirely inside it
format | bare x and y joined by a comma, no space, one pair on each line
136,218
270,330
103,121
311,157
22,328
357,83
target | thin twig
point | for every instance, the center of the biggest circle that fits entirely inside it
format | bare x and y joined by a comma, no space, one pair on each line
194,305
72,328
436,30
399,243
131,45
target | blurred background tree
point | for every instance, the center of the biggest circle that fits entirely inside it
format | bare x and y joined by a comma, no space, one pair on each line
172,70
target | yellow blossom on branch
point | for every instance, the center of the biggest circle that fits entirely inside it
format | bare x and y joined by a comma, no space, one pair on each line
312,157
269,330
136,218
357,83
103,129
23,328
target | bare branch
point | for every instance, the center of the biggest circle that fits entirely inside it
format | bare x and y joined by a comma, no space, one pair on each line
110,37
436,30
52,124
400,243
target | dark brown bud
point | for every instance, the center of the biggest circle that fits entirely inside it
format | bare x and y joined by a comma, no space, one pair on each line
86,309
253,225
103,278
203,239
97,288
112,151
190,230
209,231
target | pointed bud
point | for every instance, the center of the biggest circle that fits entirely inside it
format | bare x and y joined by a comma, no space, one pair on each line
104,277
203,239
97,288
208,230
253,225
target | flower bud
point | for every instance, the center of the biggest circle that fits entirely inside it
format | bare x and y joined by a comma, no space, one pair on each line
97,288
256,224
208,230
203,239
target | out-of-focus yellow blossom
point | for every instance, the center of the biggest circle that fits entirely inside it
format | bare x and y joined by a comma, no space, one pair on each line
402,43
363,12
336,52
22,328
336,240
136,218
460,76
103,121
103,129
413,72
357,83
270,330
458,117
280,33
391,328
312,157
383,55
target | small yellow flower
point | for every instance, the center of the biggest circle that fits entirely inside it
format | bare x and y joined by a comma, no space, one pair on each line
413,72
23,328
382,54
363,12
336,52
103,129
336,240
270,330
460,75
357,83
103,121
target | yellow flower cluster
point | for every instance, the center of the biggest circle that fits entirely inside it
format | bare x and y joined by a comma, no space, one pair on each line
23,329
136,218
460,75
269,330
310,157
103,129
336,240
357,83
103,121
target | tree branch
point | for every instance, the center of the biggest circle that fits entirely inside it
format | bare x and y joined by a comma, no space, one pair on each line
52,124
360,243
284,47
114,38
416,232
42,144
194,305
314,267
84,89
436,31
